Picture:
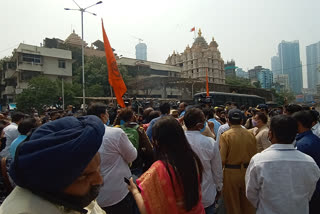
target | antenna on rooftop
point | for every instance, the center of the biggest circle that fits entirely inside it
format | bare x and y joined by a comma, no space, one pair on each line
139,39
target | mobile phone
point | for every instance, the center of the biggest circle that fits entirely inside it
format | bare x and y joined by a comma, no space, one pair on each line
126,180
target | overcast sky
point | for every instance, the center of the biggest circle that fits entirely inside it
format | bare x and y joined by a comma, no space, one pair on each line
247,31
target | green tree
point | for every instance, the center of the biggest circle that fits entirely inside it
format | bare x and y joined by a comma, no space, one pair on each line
41,92
238,81
45,92
96,77
283,97
257,84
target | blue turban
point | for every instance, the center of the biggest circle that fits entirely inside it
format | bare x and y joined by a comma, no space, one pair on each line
57,153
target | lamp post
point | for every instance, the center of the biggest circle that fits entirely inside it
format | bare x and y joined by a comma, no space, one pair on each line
83,10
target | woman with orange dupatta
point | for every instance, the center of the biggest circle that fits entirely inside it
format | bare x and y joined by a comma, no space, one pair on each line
172,183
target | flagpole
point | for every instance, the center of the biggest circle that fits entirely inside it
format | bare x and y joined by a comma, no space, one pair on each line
111,91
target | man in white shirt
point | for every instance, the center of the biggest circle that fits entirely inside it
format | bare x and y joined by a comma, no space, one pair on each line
281,179
116,153
11,132
315,125
208,151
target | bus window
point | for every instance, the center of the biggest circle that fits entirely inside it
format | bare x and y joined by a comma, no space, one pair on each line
244,101
237,99
219,100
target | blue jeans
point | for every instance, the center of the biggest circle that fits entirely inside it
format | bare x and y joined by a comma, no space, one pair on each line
210,209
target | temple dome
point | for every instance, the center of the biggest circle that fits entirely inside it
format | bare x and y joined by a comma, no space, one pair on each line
213,43
200,41
75,39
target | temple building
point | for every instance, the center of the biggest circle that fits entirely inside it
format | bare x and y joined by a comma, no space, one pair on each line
198,59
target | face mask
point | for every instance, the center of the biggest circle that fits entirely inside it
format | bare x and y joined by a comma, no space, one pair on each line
204,127
108,123
254,123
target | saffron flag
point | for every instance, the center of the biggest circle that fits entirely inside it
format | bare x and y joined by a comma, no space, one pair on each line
207,82
115,78
193,29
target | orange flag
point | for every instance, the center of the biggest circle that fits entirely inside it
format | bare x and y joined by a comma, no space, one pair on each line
193,29
115,78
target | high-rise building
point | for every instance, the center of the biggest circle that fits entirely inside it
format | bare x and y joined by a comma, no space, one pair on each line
289,54
275,65
241,73
313,65
141,51
282,80
230,68
265,77
253,73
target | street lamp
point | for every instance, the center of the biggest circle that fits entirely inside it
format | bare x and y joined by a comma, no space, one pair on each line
83,10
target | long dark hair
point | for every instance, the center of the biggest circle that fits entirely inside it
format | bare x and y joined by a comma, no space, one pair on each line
173,148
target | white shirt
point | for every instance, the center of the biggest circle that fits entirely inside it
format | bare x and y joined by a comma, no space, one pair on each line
24,201
281,179
316,129
223,128
116,152
11,133
208,151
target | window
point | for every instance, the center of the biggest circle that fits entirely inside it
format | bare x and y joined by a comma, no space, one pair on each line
61,63
31,58
28,75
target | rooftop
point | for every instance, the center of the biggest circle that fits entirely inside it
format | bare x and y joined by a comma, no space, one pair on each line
152,65
49,52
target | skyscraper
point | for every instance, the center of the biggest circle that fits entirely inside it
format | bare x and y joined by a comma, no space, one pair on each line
313,65
265,77
141,51
289,54
275,65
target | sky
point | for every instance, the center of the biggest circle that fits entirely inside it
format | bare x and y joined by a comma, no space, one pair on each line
247,31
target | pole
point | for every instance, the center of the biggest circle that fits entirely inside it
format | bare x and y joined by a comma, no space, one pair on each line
82,50
111,93
192,89
62,89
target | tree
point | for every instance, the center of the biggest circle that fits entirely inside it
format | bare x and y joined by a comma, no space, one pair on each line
96,77
283,97
41,92
238,81
45,92
257,84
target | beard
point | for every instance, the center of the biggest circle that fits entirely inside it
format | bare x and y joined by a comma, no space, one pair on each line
81,201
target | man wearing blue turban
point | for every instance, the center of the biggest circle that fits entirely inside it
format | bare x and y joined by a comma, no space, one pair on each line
57,171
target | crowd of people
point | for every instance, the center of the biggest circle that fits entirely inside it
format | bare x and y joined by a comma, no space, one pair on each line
195,159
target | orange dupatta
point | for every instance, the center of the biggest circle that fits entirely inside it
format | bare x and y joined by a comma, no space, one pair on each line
158,194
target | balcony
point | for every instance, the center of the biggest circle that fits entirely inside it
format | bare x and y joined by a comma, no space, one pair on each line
9,74
30,66
9,90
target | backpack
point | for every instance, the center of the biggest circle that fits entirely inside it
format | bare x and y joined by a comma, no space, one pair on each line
132,134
